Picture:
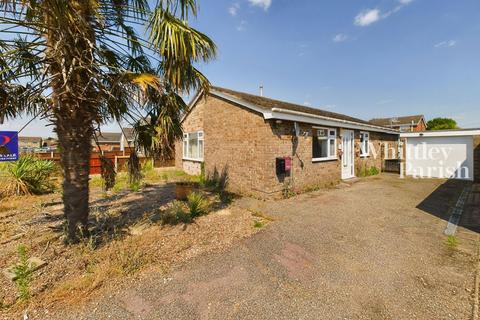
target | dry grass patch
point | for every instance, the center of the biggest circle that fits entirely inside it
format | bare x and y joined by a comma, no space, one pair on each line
128,239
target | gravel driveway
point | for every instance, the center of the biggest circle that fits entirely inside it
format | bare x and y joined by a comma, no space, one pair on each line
371,250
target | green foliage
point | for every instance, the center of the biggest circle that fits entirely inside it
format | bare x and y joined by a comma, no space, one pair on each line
258,224
452,242
197,204
135,186
28,175
216,180
366,172
176,214
441,124
22,274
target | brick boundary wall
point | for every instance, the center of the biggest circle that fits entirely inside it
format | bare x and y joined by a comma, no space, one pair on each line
476,158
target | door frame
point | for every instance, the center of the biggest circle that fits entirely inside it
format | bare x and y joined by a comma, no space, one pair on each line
348,173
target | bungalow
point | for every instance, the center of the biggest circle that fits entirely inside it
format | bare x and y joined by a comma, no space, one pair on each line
114,141
268,147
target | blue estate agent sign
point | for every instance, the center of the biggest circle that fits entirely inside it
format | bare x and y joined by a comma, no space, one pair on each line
8,146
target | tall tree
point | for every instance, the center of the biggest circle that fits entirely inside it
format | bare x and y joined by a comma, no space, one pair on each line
82,63
442,124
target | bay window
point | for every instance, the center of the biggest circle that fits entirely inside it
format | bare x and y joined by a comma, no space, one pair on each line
324,144
193,146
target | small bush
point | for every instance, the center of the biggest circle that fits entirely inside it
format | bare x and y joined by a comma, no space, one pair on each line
217,181
28,175
373,171
176,214
135,186
197,204
367,172
22,274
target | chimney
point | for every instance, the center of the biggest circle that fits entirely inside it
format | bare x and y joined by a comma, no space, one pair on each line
261,90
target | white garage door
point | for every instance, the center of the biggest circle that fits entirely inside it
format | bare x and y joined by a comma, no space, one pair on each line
440,157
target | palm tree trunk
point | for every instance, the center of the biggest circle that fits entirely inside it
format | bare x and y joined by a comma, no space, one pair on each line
75,108
75,147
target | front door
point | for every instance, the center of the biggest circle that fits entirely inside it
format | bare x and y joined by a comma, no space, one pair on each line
348,166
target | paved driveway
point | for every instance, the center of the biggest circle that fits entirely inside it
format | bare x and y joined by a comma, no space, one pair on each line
372,250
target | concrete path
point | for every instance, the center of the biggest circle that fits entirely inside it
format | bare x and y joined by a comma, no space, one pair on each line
372,250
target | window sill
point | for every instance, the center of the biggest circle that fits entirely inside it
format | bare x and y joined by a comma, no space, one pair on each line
364,156
193,160
324,159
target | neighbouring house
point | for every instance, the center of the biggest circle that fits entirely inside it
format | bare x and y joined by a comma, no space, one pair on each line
114,141
404,124
50,143
267,147
29,143
450,154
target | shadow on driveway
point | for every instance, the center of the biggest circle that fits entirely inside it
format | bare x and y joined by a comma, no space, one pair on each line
440,202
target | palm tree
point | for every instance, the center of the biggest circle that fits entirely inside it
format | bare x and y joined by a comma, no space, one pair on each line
81,63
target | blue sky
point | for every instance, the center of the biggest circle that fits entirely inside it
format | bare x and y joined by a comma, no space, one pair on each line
370,58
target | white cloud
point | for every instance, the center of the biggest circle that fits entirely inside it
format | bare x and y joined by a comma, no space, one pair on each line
367,17
341,37
233,9
265,4
446,44
242,26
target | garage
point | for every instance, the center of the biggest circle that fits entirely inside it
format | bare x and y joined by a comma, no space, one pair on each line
452,154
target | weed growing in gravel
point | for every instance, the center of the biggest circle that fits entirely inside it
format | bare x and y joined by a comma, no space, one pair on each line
22,274
197,204
452,242
128,262
258,224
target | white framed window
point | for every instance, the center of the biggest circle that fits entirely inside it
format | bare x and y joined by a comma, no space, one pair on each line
324,144
364,144
193,146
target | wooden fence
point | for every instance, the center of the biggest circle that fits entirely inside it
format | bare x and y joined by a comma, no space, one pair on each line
118,158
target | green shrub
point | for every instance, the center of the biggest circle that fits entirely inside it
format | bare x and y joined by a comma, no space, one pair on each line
28,175
366,172
373,171
197,204
135,186
22,274
176,214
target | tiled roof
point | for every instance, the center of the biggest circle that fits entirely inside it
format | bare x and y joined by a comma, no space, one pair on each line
268,104
396,121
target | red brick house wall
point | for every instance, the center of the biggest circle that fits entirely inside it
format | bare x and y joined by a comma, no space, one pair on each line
420,127
240,140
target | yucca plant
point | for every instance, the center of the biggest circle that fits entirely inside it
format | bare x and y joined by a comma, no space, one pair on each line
81,63
26,176
197,204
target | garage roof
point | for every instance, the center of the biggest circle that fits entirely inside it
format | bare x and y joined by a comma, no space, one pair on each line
442,133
